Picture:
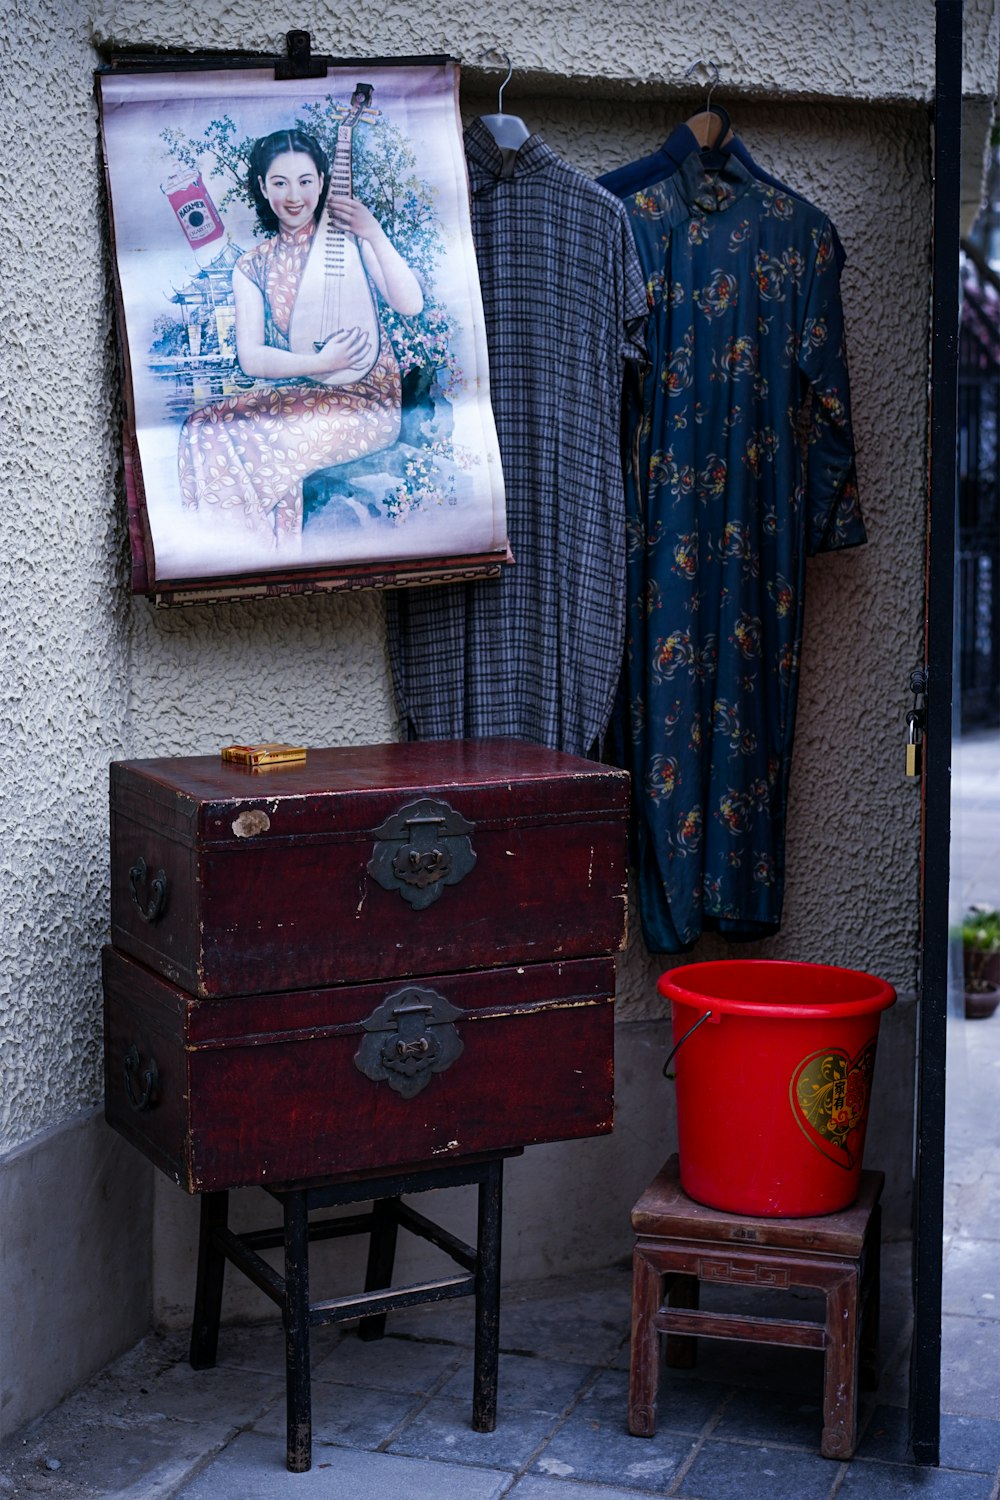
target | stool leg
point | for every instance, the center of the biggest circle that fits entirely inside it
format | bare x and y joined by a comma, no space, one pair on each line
208,1287
487,1344
295,1317
644,1361
871,1293
682,1350
381,1258
840,1375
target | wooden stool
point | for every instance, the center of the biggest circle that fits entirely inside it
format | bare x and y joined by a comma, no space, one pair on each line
680,1243
479,1278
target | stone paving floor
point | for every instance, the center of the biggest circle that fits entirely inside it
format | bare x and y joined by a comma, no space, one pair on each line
392,1418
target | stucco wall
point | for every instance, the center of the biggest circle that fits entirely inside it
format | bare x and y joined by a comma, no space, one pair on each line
65,631
870,49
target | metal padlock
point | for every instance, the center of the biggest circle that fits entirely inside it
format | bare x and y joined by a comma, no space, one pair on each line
914,745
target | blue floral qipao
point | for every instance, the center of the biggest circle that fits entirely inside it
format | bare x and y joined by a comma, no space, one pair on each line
730,486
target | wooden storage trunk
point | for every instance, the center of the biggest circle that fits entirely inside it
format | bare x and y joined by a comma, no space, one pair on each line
287,1087
384,861
399,954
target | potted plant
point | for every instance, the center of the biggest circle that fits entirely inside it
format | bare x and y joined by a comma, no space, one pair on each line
981,961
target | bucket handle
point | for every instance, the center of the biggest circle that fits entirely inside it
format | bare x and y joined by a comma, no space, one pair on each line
680,1044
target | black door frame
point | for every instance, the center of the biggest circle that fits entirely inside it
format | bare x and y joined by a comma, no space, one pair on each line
932,1014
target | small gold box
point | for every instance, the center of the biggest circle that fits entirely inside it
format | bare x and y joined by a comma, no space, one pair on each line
268,753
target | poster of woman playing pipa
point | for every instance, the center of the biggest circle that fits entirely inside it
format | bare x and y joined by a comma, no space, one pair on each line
307,386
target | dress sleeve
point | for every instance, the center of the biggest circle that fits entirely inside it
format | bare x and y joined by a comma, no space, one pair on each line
833,509
634,302
252,266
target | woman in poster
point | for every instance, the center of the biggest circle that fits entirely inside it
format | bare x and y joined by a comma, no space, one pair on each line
307,322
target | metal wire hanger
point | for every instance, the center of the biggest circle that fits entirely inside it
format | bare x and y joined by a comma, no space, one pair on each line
509,131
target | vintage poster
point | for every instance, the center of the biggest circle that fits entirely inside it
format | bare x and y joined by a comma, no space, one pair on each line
307,384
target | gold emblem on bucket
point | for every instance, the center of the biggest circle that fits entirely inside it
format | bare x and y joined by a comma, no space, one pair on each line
829,1095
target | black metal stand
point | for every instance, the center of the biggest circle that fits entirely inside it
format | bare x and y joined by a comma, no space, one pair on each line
932,1012
480,1276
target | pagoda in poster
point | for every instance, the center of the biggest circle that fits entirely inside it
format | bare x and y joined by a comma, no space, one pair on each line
195,347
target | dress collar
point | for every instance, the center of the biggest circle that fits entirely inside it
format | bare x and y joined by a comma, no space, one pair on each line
299,236
496,165
710,192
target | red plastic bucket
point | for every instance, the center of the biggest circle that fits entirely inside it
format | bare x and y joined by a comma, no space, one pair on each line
773,1082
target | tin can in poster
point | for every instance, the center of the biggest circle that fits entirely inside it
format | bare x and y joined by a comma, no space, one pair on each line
196,213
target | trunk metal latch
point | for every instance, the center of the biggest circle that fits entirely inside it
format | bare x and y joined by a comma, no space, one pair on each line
410,1036
420,849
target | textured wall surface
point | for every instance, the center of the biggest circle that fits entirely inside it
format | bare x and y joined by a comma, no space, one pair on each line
64,682
91,674
870,49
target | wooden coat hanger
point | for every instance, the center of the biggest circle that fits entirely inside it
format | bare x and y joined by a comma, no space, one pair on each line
710,126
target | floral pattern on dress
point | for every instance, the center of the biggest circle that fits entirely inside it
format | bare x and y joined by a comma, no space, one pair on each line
747,369
249,454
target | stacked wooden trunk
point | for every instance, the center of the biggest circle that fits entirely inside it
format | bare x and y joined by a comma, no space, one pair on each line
388,955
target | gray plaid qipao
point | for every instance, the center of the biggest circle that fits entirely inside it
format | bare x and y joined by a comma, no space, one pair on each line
536,653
